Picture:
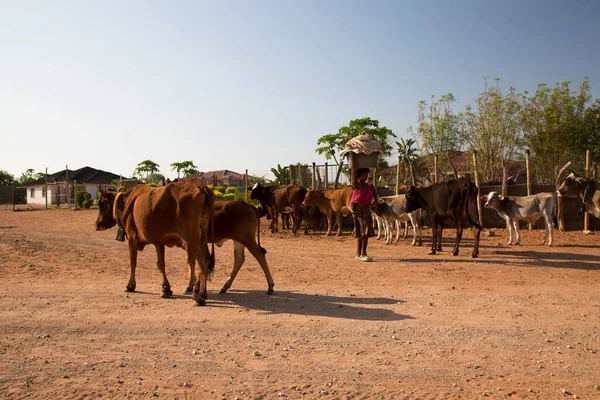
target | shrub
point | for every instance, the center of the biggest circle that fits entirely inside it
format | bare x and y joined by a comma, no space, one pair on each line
87,203
229,196
151,184
218,193
211,187
81,196
220,189
231,189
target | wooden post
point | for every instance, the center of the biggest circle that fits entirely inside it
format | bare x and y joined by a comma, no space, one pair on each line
326,177
476,174
314,170
291,167
46,184
528,173
337,176
559,202
435,168
586,215
398,177
246,185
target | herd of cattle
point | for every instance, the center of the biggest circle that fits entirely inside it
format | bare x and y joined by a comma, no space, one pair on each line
185,214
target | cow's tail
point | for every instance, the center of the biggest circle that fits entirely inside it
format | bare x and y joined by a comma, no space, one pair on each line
555,212
211,227
257,213
472,203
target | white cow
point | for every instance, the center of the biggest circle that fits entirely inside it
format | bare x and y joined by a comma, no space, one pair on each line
393,209
527,208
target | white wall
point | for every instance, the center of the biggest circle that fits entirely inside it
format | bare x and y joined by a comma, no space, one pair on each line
93,190
38,199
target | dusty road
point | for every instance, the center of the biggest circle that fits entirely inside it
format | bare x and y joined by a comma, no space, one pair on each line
519,322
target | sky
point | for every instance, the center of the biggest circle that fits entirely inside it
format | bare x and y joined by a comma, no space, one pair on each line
251,84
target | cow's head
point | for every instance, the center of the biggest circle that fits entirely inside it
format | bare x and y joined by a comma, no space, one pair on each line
311,197
492,200
572,186
258,192
414,200
106,200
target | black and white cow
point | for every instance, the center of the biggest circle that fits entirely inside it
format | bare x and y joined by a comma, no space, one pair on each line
527,208
586,190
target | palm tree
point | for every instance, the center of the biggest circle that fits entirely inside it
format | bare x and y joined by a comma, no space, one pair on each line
280,175
408,155
146,167
187,167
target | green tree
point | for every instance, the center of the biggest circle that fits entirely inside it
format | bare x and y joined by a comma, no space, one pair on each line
187,167
6,179
280,174
553,122
29,176
408,156
144,169
493,129
591,128
331,144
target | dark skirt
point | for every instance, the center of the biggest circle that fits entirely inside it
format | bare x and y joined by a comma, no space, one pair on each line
363,221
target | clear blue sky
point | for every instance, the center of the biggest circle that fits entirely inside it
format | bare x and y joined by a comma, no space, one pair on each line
250,84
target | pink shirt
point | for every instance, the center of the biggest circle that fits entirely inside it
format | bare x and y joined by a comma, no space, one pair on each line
363,194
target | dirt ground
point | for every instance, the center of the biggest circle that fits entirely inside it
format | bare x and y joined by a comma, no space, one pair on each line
518,322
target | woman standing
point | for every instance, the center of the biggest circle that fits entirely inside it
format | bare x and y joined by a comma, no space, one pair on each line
362,198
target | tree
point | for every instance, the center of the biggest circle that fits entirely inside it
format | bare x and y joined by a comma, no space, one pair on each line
280,174
554,127
7,179
438,128
332,144
144,169
408,156
493,129
29,176
187,167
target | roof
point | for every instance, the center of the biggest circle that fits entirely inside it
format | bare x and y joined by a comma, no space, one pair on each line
81,175
220,175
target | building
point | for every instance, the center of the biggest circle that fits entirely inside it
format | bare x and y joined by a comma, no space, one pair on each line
221,178
60,187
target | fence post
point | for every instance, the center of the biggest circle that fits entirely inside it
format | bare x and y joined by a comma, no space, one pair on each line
435,168
46,184
246,185
326,177
528,172
291,174
476,174
337,176
586,215
314,170
398,177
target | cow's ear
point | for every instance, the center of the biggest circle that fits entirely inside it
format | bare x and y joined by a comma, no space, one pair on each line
501,197
580,180
484,198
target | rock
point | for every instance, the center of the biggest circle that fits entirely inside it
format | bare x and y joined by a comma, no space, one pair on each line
256,354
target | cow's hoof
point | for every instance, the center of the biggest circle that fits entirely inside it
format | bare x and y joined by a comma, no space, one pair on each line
130,288
189,290
200,302
455,253
223,290
474,255
167,292
270,292
431,253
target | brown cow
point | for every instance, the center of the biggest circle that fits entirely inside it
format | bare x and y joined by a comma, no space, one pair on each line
331,202
178,214
275,200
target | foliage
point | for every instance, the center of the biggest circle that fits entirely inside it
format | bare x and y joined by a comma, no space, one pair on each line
493,129
156,179
408,156
229,196
218,193
87,203
553,123
331,144
29,176
219,189
6,179
281,175
302,174
187,167
231,189
144,169
151,184
81,197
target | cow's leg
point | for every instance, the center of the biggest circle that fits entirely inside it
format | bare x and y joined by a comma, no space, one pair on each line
160,264
550,226
238,260
434,233
132,265
419,227
191,262
476,235
439,235
455,214
510,227
517,233
413,222
377,221
296,219
405,234
329,223
338,219
259,254
202,256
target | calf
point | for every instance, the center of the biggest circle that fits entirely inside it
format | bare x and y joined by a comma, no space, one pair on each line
586,190
393,209
275,200
526,208
453,199
331,202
